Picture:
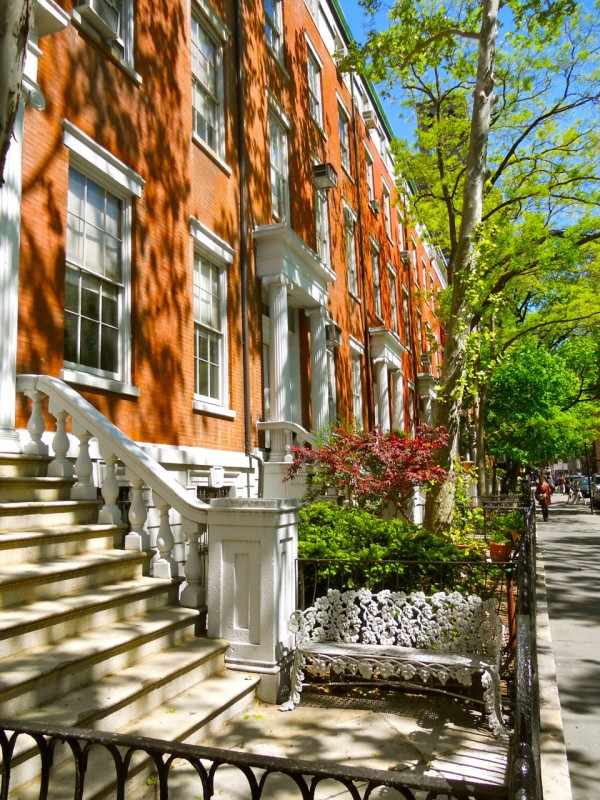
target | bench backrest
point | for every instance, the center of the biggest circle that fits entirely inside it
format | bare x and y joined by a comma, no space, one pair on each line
443,621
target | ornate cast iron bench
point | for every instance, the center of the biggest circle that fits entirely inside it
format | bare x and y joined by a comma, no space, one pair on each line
443,637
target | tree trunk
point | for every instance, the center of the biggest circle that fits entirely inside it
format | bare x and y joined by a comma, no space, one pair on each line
15,21
440,499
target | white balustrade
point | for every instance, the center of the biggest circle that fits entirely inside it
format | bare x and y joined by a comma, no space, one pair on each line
110,514
137,538
36,425
84,488
162,562
60,466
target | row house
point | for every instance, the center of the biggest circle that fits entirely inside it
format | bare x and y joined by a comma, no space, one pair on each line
203,234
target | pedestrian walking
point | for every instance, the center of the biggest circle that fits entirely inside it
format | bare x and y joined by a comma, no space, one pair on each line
543,494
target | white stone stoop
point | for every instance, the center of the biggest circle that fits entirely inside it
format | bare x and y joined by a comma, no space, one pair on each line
88,640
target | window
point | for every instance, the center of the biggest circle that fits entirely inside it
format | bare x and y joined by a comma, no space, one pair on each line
387,211
94,277
369,175
109,21
411,409
207,86
315,96
344,134
208,329
279,168
393,298
406,317
357,402
350,243
212,256
322,225
98,265
331,387
274,27
376,278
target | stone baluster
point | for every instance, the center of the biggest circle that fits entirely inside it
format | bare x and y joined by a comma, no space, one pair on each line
36,425
137,538
163,565
60,466
110,513
84,488
194,591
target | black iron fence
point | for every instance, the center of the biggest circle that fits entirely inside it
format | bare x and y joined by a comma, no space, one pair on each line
243,775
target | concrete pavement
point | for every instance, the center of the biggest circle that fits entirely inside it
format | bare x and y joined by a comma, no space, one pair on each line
569,556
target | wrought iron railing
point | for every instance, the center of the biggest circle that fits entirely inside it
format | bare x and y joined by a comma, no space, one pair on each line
253,775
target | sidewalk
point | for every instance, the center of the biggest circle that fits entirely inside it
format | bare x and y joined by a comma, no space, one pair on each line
569,556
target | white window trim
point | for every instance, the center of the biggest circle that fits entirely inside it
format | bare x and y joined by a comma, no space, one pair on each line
125,59
278,27
108,171
351,212
221,253
387,209
393,283
275,109
206,17
375,250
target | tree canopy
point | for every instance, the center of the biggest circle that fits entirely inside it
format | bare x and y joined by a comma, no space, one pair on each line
503,170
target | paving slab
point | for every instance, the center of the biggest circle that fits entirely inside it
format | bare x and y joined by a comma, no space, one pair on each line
569,547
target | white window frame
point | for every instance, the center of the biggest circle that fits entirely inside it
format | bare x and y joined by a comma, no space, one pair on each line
356,357
323,248
370,180
376,277
122,46
101,166
406,317
387,210
331,386
274,28
314,68
212,27
218,252
393,284
344,137
350,243
279,169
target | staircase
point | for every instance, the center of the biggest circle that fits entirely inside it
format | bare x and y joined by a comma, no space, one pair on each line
88,640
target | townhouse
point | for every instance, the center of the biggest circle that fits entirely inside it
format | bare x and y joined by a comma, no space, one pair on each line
202,234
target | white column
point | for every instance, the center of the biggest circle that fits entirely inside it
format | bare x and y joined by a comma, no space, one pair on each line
10,225
279,372
383,393
318,368
398,412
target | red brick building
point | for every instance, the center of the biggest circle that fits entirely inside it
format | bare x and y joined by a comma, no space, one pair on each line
202,231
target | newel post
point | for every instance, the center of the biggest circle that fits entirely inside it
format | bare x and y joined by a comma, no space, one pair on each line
252,550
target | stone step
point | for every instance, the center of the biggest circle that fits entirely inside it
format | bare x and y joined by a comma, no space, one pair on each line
48,621
28,489
191,714
58,542
33,678
27,515
18,465
30,582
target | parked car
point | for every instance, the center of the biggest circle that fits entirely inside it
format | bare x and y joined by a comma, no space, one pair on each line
596,489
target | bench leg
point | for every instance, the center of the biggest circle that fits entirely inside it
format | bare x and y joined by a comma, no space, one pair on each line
490,681
296,678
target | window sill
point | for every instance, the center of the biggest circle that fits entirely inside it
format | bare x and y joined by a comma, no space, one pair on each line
90,381
112,53
214,411
211,154
278,59
355,297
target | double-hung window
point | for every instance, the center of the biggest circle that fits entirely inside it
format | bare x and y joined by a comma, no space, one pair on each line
344,135
315,94
387,211
406,317
208,38
274,27
109,21
278,156
376,277
212,256
322,225
350,246
369,176
393,297
98,265
356,354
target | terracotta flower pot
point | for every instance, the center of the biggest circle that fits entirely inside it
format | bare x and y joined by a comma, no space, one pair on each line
500,551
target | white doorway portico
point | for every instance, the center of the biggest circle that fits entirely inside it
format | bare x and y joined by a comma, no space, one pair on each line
294,280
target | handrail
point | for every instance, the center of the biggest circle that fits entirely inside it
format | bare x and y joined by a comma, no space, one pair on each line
285,425
125,449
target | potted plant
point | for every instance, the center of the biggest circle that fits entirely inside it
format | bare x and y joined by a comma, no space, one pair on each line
500,545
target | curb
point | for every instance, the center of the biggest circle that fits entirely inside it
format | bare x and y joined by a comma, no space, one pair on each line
556,782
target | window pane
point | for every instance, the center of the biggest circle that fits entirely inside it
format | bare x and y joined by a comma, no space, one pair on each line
89,344
71,344
90,301
109,350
